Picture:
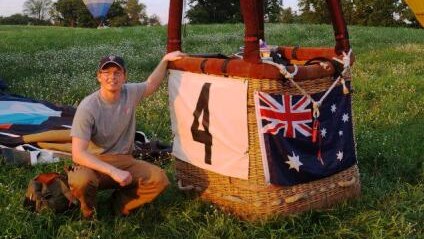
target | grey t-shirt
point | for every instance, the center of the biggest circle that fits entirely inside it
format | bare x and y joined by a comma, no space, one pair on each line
109,126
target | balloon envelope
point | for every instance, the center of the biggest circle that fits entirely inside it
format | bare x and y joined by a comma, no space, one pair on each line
98,8
417,6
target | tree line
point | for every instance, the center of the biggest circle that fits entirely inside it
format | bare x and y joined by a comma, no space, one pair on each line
130,12
74,13
356,12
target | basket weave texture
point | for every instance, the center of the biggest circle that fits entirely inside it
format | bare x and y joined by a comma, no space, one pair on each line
253,199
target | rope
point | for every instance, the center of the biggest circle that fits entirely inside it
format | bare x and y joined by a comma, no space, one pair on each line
316,104
283,69
290,77
346,68
345,61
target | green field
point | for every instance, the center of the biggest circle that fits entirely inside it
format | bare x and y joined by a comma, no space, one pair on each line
58,65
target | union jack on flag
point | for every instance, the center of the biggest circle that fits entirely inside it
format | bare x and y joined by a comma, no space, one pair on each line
291,115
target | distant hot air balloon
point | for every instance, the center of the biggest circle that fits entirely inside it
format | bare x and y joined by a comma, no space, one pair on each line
98,8
417,6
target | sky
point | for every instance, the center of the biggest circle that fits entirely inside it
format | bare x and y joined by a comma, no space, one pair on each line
158,7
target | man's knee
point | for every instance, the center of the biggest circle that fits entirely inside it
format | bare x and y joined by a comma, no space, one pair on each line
80,178
158,180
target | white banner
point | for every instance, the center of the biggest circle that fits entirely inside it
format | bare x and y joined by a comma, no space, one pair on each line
209,122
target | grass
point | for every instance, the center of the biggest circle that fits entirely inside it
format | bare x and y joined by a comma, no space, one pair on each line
57,64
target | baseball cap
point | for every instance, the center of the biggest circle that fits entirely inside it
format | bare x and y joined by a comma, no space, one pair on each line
116,60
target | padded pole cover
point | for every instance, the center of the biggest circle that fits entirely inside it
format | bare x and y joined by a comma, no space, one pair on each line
339,26
261,19
174,25
250,11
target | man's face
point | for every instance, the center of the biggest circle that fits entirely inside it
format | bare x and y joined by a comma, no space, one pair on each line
111,78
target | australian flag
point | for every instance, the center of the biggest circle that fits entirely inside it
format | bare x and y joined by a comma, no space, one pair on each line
286,127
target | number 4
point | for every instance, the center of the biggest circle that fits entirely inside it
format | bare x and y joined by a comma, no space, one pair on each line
203,136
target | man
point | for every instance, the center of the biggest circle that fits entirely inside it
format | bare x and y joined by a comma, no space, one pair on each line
107,119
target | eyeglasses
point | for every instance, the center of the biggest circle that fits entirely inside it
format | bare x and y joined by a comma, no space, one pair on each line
112,73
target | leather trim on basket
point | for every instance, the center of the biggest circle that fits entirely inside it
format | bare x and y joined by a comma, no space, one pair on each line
243,69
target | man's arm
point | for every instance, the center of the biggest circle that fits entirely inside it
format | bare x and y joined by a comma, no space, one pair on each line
81,156
154,80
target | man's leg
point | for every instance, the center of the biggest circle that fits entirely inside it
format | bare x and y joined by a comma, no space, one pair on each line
83,183
148,182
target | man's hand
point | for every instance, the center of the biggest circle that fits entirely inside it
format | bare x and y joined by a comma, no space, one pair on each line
173,56
121,176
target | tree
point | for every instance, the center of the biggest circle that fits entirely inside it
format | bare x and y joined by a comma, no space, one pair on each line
287,16
314,11
227,11
19,19
136,12
154,20
272,10
121,13
214,11
72,13
75,14
406,15
37,8
117,17
358,12
375,13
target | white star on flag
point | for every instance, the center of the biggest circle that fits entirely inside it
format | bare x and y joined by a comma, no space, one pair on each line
340,155
323,132
345,118
294,162
333,108
340,133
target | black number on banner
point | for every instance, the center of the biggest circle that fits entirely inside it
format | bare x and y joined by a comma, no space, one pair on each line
203,136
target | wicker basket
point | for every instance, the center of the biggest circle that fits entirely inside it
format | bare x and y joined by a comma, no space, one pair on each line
254,199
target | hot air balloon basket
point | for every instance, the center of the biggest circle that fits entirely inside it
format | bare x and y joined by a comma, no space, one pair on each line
314,73
254,199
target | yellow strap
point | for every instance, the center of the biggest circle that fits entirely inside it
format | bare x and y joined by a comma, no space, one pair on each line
49,136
